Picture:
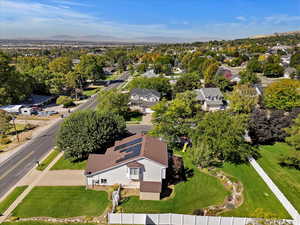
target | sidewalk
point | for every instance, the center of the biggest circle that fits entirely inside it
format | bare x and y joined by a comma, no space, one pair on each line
35,181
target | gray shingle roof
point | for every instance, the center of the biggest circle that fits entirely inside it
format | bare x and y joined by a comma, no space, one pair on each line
212,96
145,92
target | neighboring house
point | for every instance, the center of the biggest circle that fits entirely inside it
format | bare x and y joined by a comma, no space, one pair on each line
109,70
38,100
144,98
177,70
139,161
289,72
150,74
227,74
75,61
16,109
210,98
285,60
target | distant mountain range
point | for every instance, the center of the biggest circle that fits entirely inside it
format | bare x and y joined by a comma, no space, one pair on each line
107,38
276,34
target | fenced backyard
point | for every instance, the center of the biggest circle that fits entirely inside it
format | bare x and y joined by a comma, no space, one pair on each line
181,219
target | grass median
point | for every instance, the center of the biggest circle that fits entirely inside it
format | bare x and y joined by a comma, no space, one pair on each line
43,165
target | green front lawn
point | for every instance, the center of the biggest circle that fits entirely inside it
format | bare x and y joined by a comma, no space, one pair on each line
62,202
91,91
286,179
48,160
256,193
11,198
65,164
198,192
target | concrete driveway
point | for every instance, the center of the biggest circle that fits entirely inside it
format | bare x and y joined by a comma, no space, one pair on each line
58,178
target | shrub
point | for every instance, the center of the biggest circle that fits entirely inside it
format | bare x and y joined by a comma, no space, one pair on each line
5,141
292,160
65,101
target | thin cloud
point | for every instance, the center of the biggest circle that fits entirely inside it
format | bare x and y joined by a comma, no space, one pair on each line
241,18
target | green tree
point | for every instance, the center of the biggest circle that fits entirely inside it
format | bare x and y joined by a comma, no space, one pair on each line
243,99
65,101
295,60
248,77
254,66
5,125
187,82
14,86
86,132
90,67
61,65
173,119
273,70
223,135
113,101
294,134
209,69
283,94
159,84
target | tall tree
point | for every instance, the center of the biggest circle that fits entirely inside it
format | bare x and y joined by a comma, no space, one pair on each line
243,99
5,125
61,65
283,94
113,101
86,132
222,135
174,119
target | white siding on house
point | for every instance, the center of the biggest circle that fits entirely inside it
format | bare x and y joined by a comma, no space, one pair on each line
151,171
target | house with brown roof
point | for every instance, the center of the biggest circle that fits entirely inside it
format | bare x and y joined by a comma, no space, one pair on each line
139,161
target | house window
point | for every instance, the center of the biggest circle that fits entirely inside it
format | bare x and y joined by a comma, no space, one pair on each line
103,181
134,171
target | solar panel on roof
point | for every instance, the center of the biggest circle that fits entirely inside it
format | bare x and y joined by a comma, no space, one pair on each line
132,152
133,142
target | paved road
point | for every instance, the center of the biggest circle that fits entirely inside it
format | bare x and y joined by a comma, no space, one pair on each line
18,165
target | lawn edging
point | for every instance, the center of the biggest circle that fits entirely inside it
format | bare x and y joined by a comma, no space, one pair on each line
276,191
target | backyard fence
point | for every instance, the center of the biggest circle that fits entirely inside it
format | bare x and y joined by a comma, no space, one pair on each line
180,219
280,196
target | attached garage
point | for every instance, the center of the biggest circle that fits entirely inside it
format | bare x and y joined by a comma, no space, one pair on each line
150,190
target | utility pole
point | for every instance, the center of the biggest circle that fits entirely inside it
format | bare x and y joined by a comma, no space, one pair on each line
16,129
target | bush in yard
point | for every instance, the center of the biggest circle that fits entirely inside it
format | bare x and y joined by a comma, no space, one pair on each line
175,172
268,127
65,101
4,141
292,160
86,132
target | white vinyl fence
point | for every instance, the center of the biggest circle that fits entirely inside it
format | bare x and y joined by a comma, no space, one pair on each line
280,196
178,219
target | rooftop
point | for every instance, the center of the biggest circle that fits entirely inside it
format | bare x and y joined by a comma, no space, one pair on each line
129,150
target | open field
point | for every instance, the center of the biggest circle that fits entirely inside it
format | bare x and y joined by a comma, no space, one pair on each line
256,193
11,198
62,202
287,179
198,192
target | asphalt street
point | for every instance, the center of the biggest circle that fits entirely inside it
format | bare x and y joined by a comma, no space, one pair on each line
20,163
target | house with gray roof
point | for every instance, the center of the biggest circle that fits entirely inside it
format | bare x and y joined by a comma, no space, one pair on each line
138,162
211,99
150,74
144,98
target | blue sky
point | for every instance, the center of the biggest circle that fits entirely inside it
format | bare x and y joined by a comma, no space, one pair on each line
132,19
